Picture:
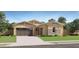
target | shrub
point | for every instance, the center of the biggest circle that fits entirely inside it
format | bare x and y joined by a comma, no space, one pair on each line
46,35
55,35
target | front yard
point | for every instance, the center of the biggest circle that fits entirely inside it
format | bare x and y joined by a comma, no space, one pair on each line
59,38
4,39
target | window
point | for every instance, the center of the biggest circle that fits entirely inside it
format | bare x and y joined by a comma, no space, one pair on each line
37,29
54,29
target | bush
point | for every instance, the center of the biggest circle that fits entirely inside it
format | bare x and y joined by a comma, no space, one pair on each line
73,34
7,33
55,35
47,35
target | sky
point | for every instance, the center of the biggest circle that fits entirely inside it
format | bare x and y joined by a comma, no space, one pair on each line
44,16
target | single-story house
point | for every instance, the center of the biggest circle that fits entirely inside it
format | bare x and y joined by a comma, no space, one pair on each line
36,28
76,32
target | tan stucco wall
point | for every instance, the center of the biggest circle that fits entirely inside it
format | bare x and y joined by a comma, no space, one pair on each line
59,29
14,31
45,29
23,26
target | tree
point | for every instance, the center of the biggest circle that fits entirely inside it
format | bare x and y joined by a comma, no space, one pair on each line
3,22
11,25
76,24
62,20
72,26
51,20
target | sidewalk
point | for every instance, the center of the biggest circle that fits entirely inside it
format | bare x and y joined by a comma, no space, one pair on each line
50,43
64,42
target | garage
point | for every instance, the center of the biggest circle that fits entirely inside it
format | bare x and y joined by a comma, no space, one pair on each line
23,32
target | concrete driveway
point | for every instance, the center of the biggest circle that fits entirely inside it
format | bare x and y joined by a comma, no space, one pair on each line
28,41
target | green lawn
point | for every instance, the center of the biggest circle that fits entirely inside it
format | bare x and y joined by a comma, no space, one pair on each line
59,38
4,39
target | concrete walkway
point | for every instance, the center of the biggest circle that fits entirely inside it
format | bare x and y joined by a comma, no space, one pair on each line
28,41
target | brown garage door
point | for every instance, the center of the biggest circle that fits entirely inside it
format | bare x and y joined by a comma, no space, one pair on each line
23,32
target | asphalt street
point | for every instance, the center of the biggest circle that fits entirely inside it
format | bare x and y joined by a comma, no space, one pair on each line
75,45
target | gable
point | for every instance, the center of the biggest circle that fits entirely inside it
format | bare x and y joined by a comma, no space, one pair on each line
35,22
23,25
55,24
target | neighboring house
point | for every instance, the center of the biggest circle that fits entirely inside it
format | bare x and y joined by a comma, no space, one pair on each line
36,28
76,32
